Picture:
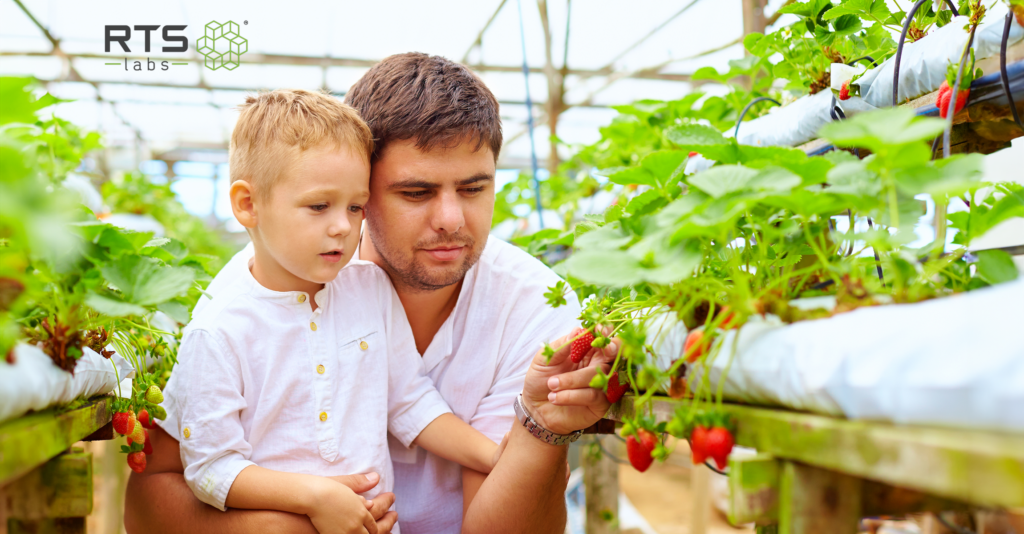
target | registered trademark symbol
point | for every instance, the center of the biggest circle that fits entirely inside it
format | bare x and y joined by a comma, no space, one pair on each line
245,22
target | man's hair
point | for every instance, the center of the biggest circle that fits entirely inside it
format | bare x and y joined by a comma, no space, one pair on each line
276,126
436,101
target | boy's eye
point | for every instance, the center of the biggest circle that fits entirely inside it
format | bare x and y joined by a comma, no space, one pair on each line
355,208
318,207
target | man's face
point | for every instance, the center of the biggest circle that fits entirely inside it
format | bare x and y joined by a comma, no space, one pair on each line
309,224
430,212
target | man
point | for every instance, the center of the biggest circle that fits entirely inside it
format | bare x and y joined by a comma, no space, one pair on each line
475,307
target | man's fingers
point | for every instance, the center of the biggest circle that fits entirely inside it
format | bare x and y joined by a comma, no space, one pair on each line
577,379
562,347
386,523
380,504
358,483
578,397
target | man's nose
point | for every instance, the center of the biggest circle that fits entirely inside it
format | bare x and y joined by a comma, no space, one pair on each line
448,216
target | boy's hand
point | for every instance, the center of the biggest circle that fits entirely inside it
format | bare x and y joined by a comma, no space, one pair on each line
501,447
338,510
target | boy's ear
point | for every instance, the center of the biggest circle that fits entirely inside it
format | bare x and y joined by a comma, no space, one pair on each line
242,203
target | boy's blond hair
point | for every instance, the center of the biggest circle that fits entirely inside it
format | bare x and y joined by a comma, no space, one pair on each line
276,126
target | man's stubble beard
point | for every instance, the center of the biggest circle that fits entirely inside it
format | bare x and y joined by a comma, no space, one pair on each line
415,275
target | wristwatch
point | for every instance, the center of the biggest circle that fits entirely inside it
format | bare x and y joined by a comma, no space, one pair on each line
538,431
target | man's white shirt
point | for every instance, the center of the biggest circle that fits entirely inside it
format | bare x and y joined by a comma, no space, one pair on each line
477,361
263,379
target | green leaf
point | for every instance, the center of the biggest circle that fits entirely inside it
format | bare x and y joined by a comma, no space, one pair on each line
721,180
996,266
147,281
883,130
175,310
118,241
695,135
113,307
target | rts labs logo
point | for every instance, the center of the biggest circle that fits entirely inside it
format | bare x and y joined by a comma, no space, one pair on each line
222,45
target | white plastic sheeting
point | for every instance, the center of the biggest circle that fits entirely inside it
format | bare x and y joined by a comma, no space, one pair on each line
956,361
33,382
922,69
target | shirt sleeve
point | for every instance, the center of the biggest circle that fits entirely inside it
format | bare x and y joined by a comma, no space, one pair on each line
494,416
208,400
413,402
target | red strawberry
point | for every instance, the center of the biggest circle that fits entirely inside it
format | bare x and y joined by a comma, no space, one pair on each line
615,389
580,346
692,154
146,420
698,444
147,447
719,445
639,451
730,321
844,91
137,461
694,346
942,101
124,422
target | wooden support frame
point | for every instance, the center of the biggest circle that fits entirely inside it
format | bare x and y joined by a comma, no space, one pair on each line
970,466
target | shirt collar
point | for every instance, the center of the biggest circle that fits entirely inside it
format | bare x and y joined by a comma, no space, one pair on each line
297,298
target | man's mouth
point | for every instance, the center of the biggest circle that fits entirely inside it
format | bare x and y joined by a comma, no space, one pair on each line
445,253
333,256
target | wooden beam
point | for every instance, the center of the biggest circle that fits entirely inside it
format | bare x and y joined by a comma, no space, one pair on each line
974,466
30,441
62,487
813,500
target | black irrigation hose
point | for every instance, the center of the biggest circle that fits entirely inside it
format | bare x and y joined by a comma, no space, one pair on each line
736,133
715,469
899,51
1002,69
951,526
604,451
878,261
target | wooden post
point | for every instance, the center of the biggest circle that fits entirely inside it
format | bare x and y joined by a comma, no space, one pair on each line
814,500
601,487
700,499
55,497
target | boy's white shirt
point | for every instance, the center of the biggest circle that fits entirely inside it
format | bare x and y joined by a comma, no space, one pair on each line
477,361
249,387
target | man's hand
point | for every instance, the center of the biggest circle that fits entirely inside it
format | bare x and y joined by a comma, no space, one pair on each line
557,393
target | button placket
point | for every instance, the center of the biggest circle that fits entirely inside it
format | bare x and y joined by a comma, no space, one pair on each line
320,338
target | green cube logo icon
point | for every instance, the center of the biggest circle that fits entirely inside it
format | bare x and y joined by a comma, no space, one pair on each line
222,45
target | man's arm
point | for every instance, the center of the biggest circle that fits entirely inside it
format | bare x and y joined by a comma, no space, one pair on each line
525,491
159,501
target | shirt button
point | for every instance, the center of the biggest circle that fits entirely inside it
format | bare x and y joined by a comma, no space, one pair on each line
312,326
320,369
323,416
187,432
364,345
301,299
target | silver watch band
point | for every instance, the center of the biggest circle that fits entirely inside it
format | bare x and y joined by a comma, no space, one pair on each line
538,431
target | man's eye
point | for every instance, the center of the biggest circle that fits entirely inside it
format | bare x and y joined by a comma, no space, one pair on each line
415,194
474,190
318,207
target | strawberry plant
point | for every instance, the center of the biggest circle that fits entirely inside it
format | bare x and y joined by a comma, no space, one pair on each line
70,282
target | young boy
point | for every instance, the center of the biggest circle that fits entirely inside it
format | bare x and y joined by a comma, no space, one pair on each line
296,372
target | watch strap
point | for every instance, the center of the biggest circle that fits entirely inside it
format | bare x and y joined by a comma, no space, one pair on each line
538,431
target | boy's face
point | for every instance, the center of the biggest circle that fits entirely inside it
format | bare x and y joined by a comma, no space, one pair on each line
431,211
309,223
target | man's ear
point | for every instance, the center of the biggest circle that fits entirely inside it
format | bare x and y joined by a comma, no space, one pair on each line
243,204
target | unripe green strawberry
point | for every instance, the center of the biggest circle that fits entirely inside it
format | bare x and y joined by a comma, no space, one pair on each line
159,413
138,434
154,395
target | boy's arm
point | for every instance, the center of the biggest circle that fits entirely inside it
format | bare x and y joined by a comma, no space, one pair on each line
331,506
453,439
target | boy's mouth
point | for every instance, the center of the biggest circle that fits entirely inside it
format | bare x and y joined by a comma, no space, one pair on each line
333,256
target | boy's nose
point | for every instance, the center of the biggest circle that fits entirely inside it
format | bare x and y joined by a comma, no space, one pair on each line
340,226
